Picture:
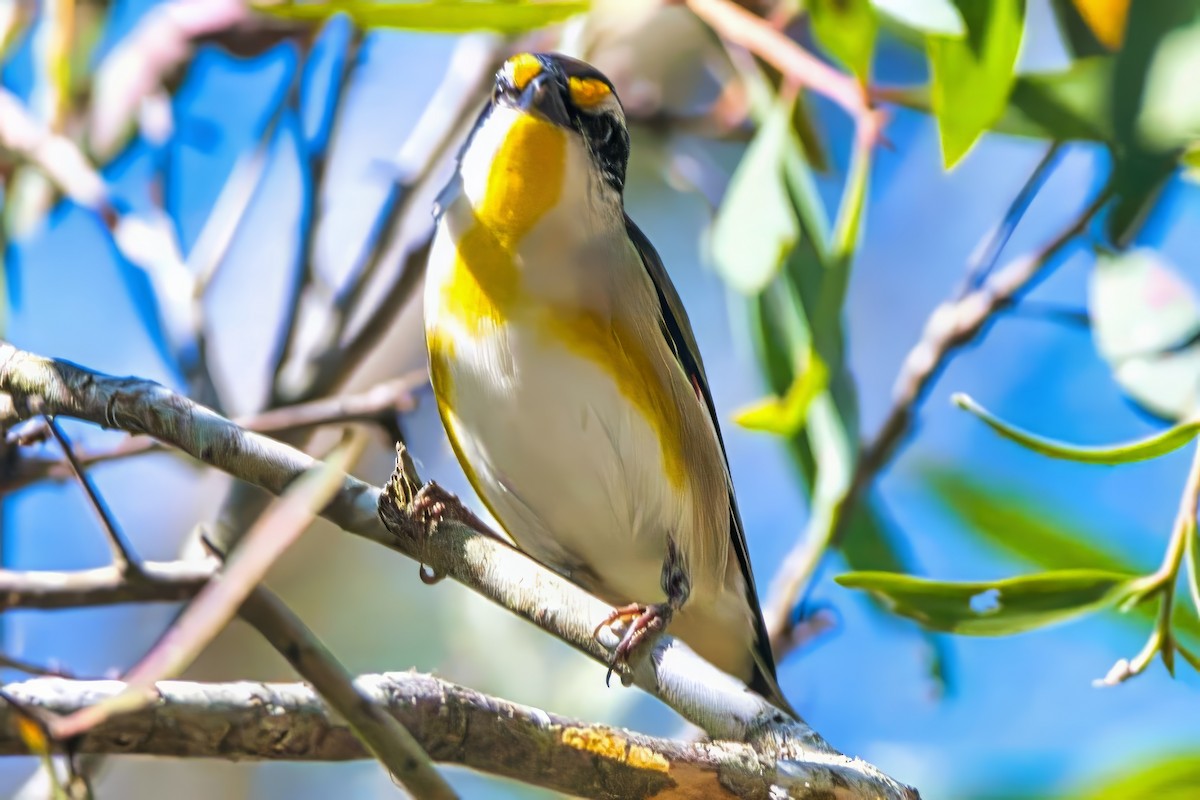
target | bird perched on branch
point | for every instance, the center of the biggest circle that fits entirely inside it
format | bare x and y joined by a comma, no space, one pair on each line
568,378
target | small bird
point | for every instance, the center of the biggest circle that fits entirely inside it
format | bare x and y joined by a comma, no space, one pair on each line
568,378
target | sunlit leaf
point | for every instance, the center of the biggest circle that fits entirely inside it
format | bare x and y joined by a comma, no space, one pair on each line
846,28
785,416
1170,112
1106,19
448,16
927,16
756,226
994,608
1146,324
973,75
1140,450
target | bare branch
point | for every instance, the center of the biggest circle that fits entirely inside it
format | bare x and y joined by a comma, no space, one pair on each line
379,405
713,700
455,725
160,582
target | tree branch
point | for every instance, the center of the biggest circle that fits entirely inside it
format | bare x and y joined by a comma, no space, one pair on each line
454,724
713,700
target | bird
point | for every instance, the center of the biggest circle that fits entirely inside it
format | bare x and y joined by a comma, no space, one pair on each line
567,375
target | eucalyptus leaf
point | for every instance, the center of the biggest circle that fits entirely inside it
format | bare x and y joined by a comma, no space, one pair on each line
1077,35
846,28
994,608
756,227
1105,19
972,75
1173,777
448,16
785,416
1125,453
1146,325
1036,531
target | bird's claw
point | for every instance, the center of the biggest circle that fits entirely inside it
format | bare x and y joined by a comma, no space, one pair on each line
641,621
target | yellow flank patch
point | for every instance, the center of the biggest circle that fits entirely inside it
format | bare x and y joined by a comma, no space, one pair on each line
588,92
607,744
613,347
523,68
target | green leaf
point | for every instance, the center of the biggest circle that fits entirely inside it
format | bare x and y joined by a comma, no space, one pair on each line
925,16
1071,105
756,227
1034,531
1193,564
1146,325
1170,112
785,416
1142,166
973,75
846,28
448,16
994,608
1141,450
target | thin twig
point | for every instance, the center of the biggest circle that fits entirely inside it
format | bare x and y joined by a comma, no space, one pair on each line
1162,584
387,739
800,67
951,326
123,554
379,405
983,259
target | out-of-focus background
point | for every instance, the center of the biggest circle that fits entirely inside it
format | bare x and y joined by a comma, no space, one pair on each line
254,169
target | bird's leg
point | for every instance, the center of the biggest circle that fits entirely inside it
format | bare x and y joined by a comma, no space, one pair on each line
644,620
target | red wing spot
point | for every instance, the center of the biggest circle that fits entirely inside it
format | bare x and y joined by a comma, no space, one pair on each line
696,388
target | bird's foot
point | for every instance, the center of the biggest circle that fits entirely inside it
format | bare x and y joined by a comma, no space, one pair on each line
640,622
433,504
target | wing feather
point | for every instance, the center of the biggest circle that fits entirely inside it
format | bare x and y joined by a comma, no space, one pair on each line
678,332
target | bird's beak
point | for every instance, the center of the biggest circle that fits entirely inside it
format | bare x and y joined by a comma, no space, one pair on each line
542,97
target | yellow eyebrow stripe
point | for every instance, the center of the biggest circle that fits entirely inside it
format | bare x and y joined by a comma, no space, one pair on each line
588,92
523,68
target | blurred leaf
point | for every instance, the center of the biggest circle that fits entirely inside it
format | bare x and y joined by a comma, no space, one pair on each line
785,416
1106,19
448,16
994,608
1142,167
1077,35
1146,324
1064,106
927,16
846,28
872,543
1175,777
973,75
1170,112
1141,450
756,226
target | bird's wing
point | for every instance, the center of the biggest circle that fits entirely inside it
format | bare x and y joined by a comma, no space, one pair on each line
678,332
